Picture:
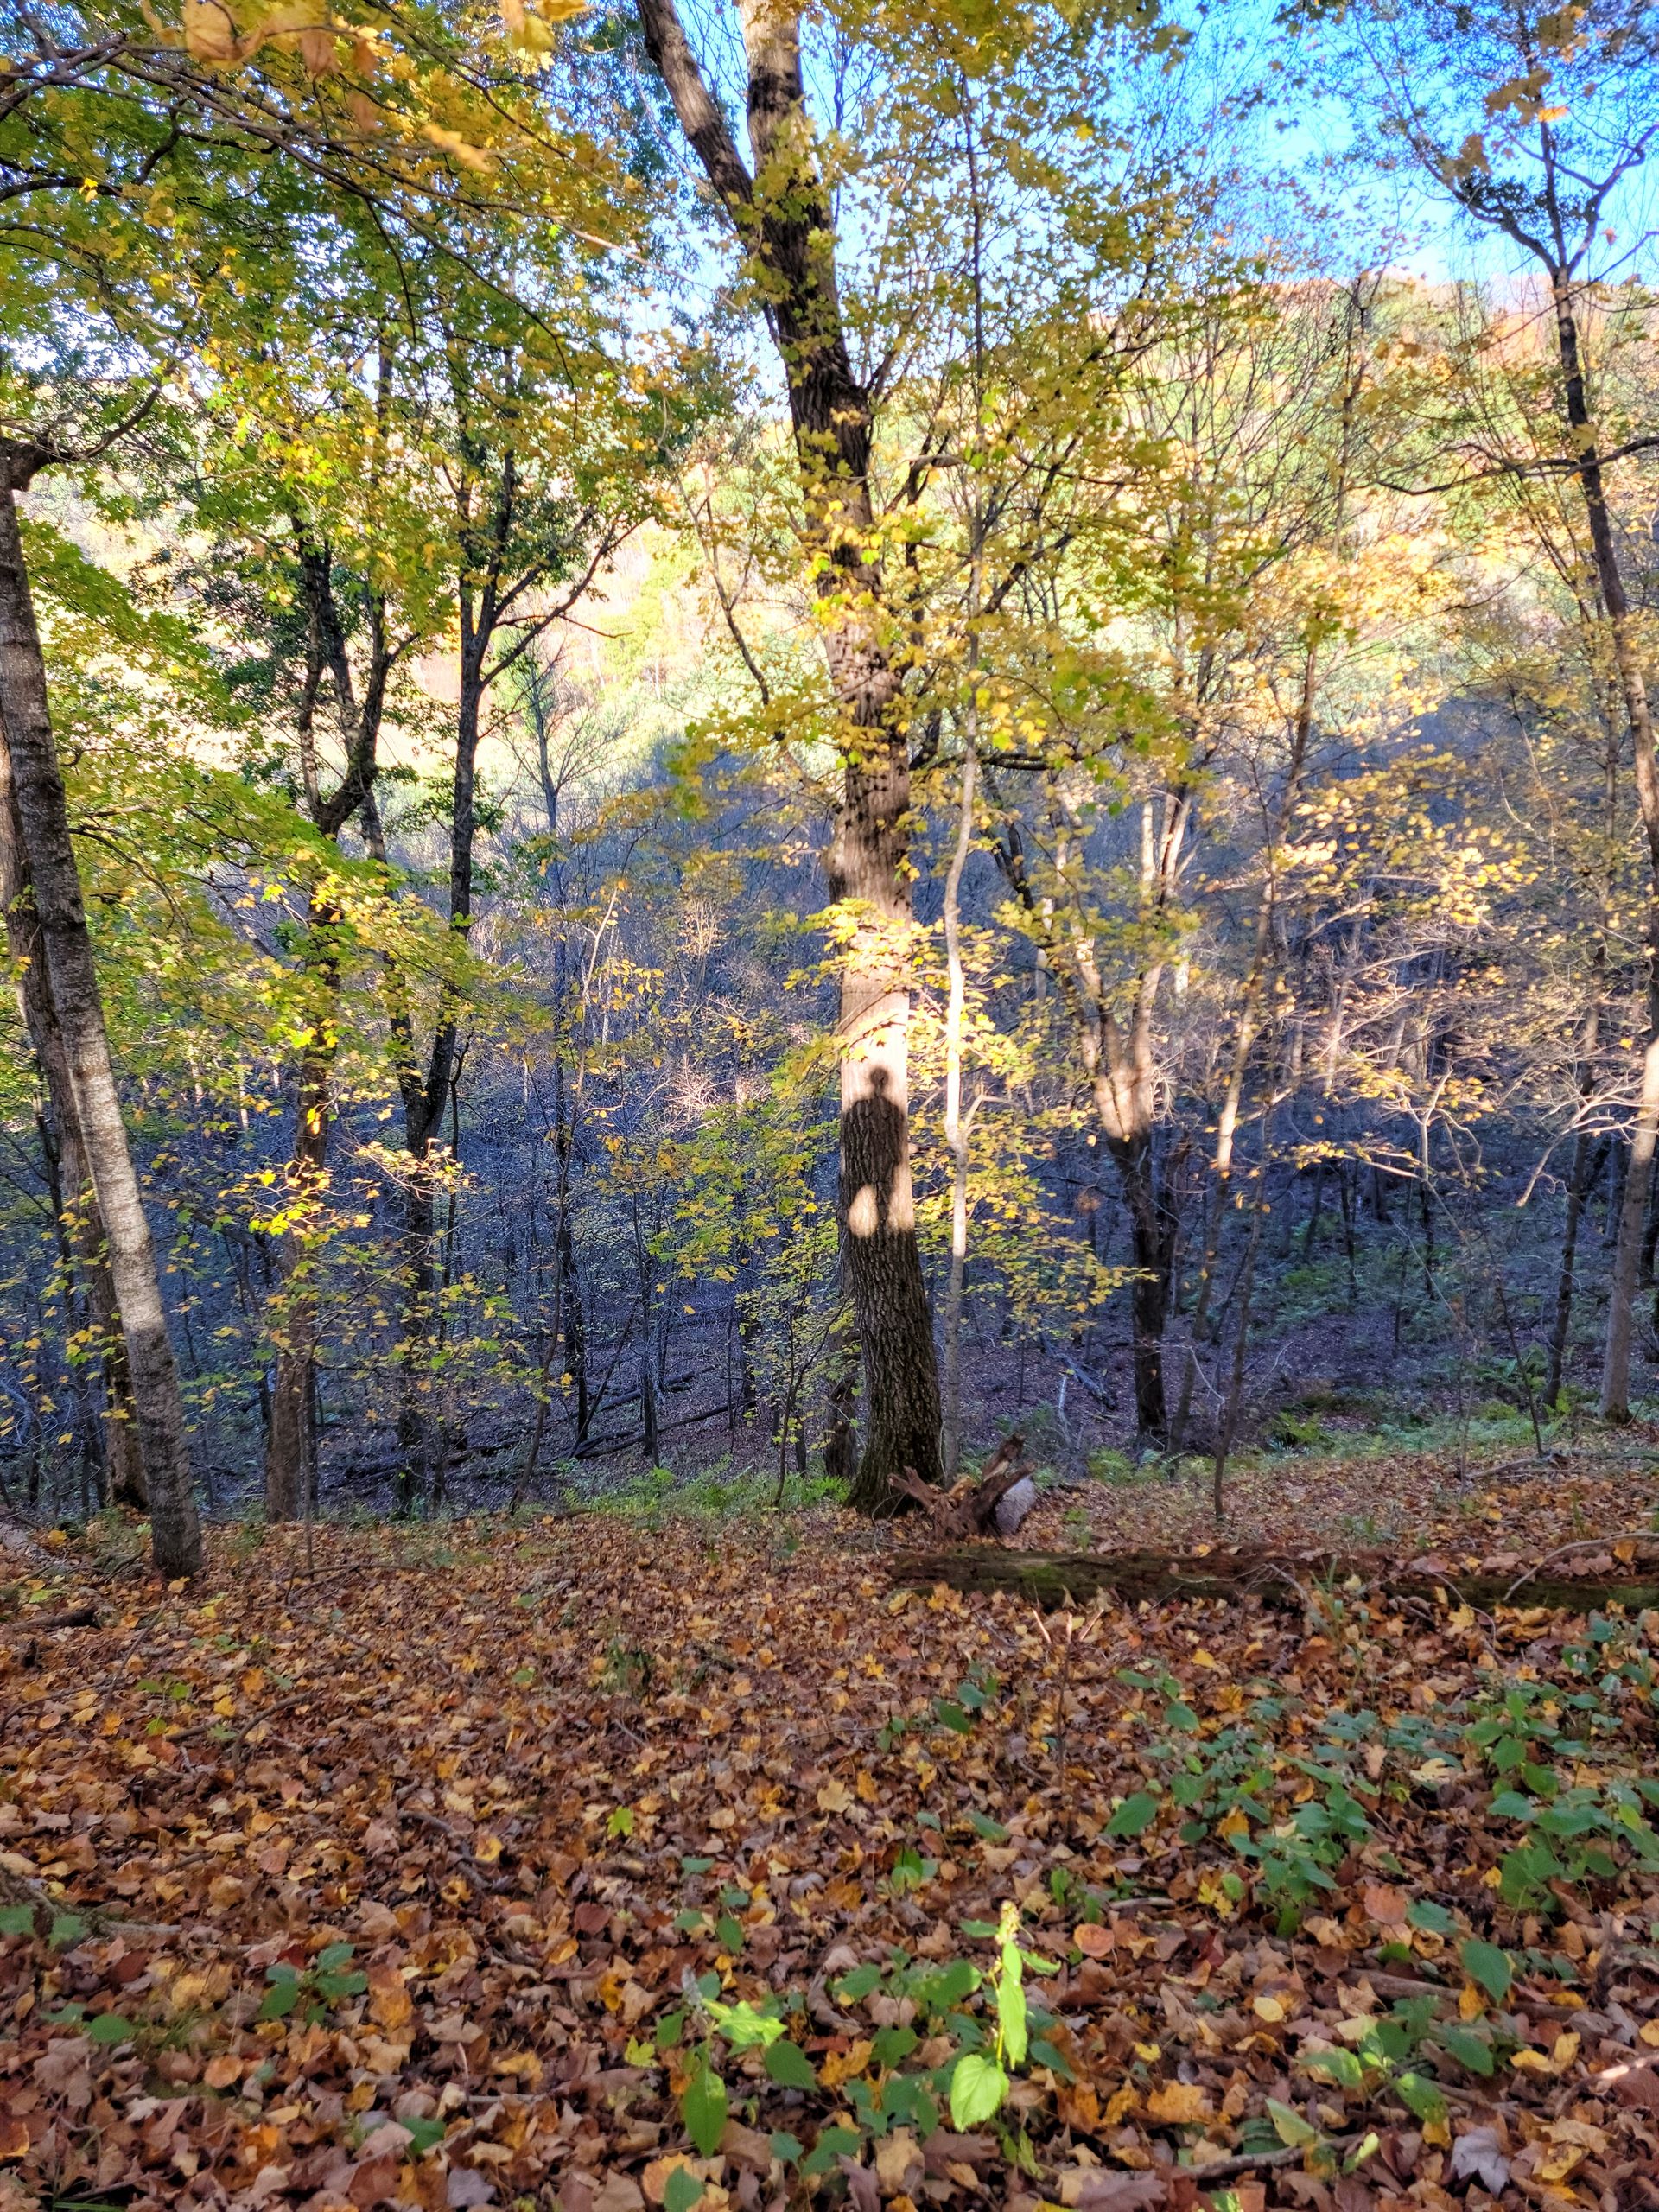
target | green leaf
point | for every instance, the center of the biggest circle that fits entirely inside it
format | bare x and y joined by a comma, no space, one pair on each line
859,1983
949,1985
68,1927
785,2145
1465,2046
425,2134
669,2029
833,2143
742,2026
893,2045
1367,2147
1011,2005
16,1920
788,2065
982,1824
703,2109
1420,2097
110,2027
622,1823
683,2191
331,1960
334,1987
1489,1966
1423,1913
1336,2065
1134,1815
1043,2053
280,1999
728,1933
978,2086
1289,2127
1510,1805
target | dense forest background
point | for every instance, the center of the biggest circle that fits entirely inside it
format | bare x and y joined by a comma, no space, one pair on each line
759,797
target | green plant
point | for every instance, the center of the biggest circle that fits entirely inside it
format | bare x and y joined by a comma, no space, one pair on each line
311,1991
980,2081
1293,1431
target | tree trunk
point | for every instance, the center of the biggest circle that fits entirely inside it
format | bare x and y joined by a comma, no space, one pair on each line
290,1444
783,215
1561,1328
1621,1291
956,1133
425,1096
290,1428
1149,1246
35,802
80,1222
1616,1365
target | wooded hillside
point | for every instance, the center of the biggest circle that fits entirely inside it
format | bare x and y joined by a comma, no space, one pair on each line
829,843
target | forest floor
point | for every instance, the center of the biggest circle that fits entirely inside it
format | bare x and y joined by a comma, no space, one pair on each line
606,1861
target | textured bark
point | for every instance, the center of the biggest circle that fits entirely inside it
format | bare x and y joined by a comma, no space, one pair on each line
1616,1365
290,1439
1561,1328
1051,1580
42,815
426,1093
82,1225
782,214
289,1445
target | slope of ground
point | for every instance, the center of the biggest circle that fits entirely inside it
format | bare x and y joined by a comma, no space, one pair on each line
596,1863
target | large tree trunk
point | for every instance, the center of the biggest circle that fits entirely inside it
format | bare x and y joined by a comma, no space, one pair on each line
956,1130
35,802
878,1212
81,1223
1151,1239
1616,1366
782,215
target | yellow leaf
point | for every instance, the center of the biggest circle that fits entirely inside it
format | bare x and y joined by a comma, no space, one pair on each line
452,143
1533,2062
209,34
521,2065
1471,2003
1181,2104
844,2065
1649,2034
834,1797
1269,2009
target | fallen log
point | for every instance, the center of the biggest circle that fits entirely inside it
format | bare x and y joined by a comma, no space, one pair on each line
1053,1579
73,1617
